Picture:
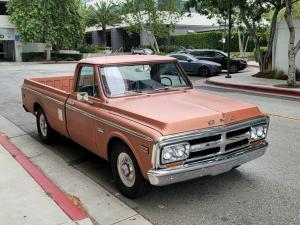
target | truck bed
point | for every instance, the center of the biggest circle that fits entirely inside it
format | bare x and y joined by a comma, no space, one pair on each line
64,83
51,94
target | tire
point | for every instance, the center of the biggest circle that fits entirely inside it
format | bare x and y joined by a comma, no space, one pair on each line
204,71
233,69
46,133
127,175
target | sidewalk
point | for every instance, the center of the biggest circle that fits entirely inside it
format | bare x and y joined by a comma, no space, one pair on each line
246,82
25,200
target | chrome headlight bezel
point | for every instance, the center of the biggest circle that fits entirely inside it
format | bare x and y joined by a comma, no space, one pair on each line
174,152
259,132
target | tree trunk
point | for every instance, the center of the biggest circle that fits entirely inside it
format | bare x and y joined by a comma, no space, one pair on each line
292,49
254,37
241,47
267,56
104,40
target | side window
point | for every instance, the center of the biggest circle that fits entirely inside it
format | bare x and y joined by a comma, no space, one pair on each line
211,54
87,81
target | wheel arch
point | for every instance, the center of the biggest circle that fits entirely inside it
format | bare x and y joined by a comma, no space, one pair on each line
119,138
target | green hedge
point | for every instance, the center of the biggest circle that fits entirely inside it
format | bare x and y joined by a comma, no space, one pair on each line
209,40
33,56
65,57
41,56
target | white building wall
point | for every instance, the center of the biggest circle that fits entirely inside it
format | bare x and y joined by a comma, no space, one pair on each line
280,48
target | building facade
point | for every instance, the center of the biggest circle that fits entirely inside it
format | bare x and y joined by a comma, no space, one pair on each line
9,49
280,47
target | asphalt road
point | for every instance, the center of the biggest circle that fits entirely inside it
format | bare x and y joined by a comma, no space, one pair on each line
264,191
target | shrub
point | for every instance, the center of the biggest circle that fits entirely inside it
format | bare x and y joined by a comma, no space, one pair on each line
210,40
169,48
33,56
65,57
90,49
263,52
278,74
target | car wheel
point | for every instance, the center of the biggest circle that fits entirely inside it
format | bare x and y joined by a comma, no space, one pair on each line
46,133
204,71
126,172
233,69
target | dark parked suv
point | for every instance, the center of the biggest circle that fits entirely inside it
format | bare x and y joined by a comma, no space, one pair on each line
219,57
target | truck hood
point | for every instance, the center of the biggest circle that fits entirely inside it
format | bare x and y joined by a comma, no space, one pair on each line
176,112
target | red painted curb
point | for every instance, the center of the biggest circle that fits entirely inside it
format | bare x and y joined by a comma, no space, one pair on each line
62,200
276,91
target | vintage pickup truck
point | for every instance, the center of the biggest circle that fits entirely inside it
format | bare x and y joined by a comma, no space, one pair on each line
143,115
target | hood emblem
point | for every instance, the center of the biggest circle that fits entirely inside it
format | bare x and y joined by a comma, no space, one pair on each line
211,122
228,119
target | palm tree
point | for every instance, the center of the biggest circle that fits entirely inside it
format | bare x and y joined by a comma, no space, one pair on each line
104,13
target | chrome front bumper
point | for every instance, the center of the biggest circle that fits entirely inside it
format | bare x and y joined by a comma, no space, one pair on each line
161,177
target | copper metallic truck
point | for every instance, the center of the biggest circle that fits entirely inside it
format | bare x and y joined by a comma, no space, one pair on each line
143,115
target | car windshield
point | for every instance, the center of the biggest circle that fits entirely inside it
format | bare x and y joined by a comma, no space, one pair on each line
192,57
139,79
223,53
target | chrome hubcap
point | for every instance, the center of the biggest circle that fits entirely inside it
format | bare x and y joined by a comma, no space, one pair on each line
126,169
43,125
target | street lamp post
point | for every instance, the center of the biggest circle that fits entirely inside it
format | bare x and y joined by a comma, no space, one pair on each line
229,38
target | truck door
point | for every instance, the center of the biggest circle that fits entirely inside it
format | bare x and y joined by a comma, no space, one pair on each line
81,122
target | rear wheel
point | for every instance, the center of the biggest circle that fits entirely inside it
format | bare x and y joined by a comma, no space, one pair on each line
233,69
126,172
204,71
46,133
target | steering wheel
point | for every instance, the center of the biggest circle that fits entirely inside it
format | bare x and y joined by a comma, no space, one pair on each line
168,78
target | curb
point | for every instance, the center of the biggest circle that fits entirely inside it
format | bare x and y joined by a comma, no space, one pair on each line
71,210
251,88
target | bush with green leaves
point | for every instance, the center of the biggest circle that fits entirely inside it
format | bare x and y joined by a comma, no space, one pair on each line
169,48
40,56
209,40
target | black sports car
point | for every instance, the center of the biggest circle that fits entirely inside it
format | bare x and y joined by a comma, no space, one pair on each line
191,65
219,57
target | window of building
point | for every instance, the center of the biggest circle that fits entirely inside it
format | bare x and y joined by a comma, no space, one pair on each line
3,9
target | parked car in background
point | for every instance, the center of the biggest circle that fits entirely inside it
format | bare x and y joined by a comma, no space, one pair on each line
192,65
219,57
142,51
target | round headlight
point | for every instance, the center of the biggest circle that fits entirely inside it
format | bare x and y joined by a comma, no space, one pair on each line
260,132
167,155
253,133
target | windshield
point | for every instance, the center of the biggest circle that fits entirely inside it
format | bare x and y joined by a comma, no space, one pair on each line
138,79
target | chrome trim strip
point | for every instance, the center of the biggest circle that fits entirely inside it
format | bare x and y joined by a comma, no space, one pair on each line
208,168
134,133
44,96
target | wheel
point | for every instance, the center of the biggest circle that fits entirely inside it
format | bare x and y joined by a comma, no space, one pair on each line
46,133
126,172
204,71
233,69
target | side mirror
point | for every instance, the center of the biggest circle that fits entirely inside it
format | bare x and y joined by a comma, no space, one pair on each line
82,96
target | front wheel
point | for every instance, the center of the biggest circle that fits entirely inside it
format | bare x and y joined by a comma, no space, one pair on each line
126,172
46,133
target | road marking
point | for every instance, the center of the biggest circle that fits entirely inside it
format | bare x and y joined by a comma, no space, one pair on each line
285,117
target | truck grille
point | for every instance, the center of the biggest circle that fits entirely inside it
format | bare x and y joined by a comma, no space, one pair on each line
211,146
